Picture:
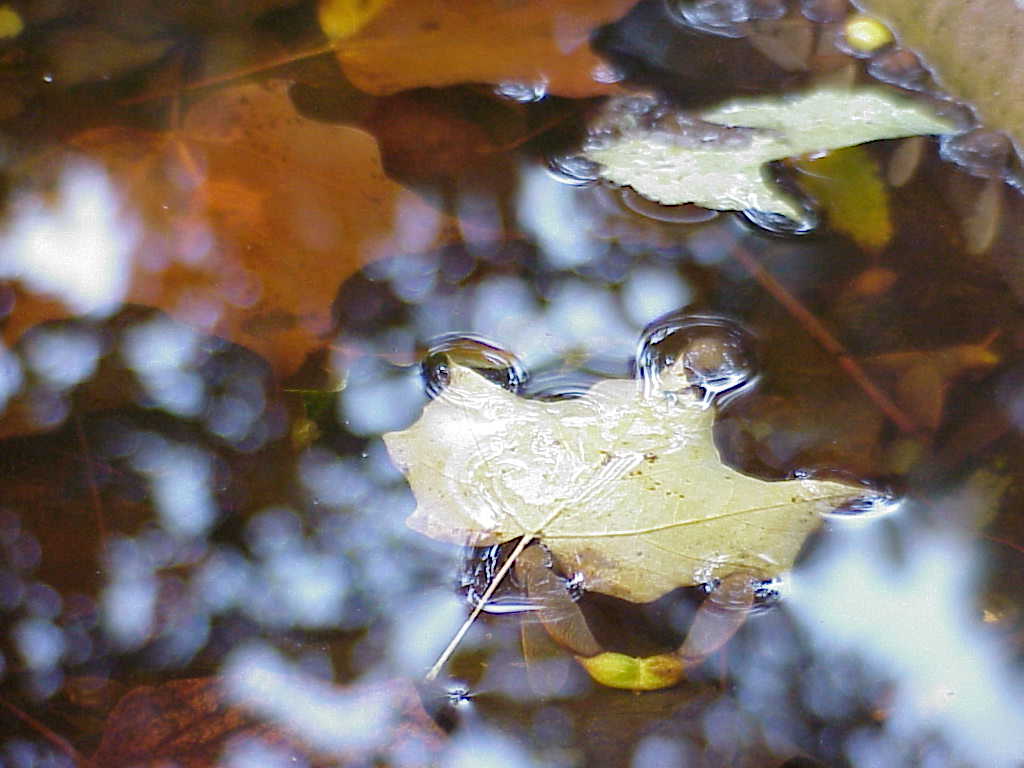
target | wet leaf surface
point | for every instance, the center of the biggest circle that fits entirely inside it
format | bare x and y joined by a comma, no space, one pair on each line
716,157
624,487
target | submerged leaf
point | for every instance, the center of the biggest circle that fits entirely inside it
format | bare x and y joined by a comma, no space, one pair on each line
623,485
633,673
848,185
253,217
923,377
716,158
192,723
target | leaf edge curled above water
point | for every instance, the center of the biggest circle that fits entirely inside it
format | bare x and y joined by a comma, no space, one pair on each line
487,466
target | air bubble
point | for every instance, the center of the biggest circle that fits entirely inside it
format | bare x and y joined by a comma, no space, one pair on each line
777,224
489,360
716,17
767,593
607,73
870,506
573,169
522,92
744,585
981,153
824,11
710,352
899,67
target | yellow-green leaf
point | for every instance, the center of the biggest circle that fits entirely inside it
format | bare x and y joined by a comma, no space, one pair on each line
633,673
848,185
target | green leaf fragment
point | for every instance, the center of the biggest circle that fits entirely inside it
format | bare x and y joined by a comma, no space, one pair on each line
729,172
848,186
633,673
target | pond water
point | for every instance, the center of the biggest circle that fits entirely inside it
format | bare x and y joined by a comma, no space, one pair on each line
234,257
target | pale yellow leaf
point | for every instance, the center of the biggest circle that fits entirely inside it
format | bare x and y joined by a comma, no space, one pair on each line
623,485
676,158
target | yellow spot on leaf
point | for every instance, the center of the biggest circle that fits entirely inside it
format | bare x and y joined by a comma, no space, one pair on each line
631,673
11,24
848,185
863,33
340,19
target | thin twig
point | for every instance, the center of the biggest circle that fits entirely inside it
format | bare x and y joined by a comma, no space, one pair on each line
1005,542
237,74
821,334
450,649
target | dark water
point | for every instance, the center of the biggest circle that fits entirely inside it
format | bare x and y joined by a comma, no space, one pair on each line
194,481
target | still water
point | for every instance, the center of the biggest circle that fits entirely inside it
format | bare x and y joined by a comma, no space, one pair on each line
233,257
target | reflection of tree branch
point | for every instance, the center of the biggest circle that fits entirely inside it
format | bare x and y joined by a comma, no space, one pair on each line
59,742
94,491
236,74
819,333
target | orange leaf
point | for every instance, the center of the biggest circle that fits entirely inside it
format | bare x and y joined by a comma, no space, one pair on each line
418,43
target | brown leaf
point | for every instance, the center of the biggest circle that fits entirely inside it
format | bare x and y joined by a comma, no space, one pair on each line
253,217
435,43
189,724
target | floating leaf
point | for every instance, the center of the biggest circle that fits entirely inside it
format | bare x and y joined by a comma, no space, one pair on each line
624,486
716,158
847,184
975,50
418,43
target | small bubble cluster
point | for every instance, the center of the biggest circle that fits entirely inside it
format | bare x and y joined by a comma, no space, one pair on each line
657,119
